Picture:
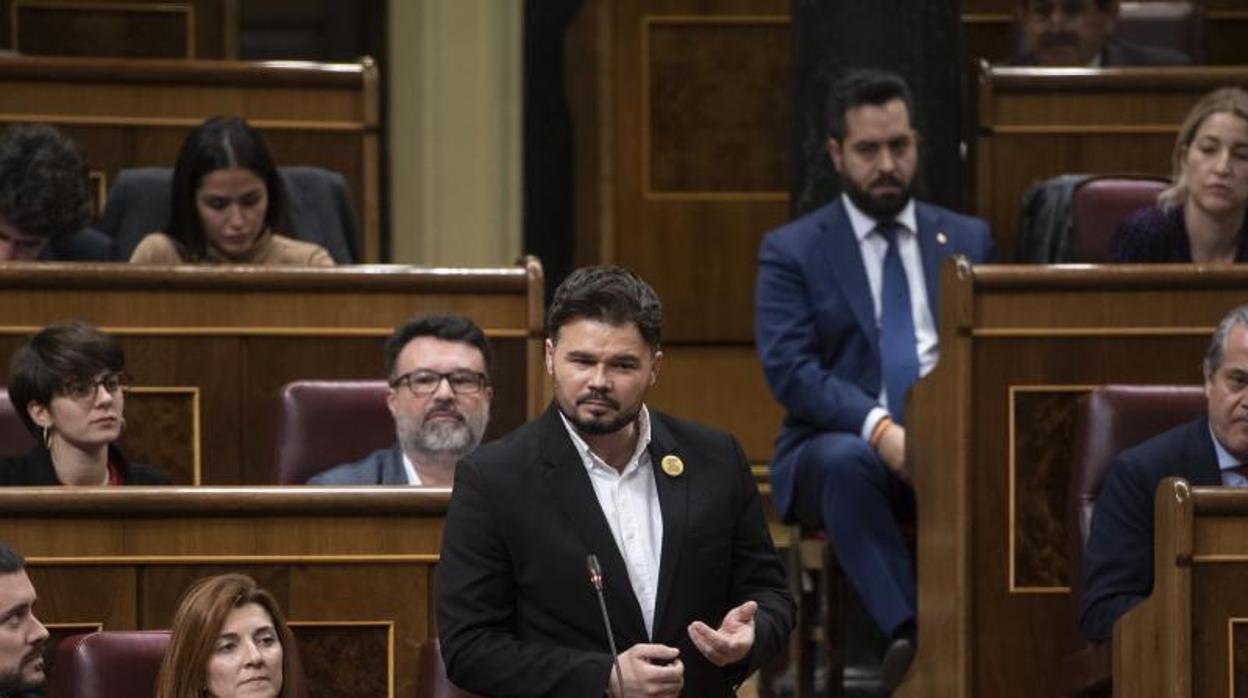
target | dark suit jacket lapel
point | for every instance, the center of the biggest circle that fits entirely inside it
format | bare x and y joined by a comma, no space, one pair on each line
839,247
574,493
933,252
392,470
1203,458
674,503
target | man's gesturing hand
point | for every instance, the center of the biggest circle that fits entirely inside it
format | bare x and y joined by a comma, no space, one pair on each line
649,670
732,641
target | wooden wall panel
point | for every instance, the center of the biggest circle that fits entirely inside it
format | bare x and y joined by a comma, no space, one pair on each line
994,609
127,113
352,570
234,336
1037,123
118,28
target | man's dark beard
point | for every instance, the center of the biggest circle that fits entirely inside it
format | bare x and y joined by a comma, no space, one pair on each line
599,428
880,208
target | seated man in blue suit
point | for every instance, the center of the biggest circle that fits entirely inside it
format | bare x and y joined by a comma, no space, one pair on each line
1207,452
845,323
438,369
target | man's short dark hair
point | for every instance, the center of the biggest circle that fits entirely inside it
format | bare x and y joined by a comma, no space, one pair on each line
43,182
10,561
609,294
864,87
449,328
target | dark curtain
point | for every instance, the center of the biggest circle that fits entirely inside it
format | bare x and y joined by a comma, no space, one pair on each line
919,39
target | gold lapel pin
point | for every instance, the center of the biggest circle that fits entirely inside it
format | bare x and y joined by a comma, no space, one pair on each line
673,465
941,237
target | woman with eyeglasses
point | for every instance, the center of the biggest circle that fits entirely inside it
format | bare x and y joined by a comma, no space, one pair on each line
66,385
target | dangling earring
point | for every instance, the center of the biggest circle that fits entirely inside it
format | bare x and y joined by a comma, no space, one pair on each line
47,437
122,431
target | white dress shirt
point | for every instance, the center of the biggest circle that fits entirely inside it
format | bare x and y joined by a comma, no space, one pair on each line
412,477
873,247
630,502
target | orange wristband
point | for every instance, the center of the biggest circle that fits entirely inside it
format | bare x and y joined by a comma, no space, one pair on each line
878,432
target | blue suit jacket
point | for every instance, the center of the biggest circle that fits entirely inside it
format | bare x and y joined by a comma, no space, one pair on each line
384,467
1118,559
814,322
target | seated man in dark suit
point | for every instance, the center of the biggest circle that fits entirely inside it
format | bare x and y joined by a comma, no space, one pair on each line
438,369
1080,33
1210,451
44,201
22,636
845,311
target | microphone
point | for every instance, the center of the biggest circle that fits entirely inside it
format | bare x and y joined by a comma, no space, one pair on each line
595,578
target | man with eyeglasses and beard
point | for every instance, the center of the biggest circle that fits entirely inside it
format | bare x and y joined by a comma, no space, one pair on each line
438,370
845,323
1079,33
22,636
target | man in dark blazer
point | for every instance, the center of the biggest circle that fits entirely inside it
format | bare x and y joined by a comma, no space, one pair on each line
1080,33
438,367
1118,559
844,323
695,593
22,636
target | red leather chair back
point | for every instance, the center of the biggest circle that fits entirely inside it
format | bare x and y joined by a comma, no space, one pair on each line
325,423
108,664
15,439
1164,23
1099,204
1112,419
433,681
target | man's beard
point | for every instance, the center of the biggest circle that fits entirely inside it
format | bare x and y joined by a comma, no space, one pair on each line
13,682
440,437
881,208
597,426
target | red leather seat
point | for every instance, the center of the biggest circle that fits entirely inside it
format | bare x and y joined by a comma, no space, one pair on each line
433,681
1099,204
1112,419
321,424
15,439
108,664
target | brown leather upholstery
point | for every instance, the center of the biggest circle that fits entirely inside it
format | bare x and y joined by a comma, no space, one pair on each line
1099,204
1164,23
108,664
15,439
1112,419
325,423
433,681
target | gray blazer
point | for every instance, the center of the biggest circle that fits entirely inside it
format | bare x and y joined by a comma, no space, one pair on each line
384,467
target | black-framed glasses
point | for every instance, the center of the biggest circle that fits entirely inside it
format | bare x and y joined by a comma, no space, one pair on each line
83,390
423,382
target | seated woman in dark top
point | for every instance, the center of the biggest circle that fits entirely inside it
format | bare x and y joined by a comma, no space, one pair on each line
44,200
66,385
227,204
1201,217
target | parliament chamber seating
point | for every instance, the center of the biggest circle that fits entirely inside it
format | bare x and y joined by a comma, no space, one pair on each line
1164,23
15,439
433,680
107,664
318,209
1110,420
1100,204
321,424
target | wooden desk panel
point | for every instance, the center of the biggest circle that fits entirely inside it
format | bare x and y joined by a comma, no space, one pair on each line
1036,123
994,608
352,567
234,335
135,113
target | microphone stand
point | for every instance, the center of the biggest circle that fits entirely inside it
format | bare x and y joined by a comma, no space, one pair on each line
595,578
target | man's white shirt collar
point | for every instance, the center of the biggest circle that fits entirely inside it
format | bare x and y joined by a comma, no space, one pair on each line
589,458
864,225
